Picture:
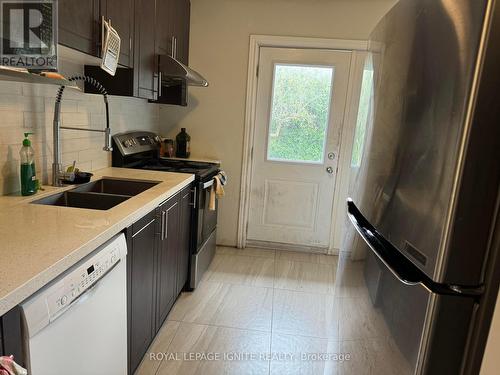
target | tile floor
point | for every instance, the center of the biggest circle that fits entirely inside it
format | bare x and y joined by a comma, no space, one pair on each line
262,311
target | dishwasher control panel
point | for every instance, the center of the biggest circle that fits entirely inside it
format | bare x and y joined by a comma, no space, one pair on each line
81,279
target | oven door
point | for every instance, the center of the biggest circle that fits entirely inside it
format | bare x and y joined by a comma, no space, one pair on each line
207,219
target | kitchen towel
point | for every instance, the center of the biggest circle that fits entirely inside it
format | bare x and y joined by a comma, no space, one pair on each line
9,367
217,190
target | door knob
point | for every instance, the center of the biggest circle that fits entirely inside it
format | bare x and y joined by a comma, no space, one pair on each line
329,170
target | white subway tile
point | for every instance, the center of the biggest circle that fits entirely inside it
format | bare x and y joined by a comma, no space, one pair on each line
25,107
11,88
71,145
101,163
33,120
88,155
11,135
11,118
29,89
97,120
85,167
75,119
68,157
9,152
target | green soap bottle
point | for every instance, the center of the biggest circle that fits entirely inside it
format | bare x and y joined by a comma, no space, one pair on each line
28,174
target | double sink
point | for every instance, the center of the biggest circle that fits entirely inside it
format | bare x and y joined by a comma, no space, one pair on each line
101,194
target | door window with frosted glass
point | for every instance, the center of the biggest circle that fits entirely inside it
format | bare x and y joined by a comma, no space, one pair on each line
300,112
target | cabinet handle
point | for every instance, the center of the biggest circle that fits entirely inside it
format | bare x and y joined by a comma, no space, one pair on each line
159,84
165,234
174,47
102,31
163,216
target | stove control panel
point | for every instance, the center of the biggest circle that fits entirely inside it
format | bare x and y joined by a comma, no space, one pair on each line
129,142
136,142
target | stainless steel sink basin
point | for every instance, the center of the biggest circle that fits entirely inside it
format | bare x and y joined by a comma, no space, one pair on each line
101,194
94,201
116,186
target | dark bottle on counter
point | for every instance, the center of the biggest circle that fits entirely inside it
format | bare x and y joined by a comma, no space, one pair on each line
183,139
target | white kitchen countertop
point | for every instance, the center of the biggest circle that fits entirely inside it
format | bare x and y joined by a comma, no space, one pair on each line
39,242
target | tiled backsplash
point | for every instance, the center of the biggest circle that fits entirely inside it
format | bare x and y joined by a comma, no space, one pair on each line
30,108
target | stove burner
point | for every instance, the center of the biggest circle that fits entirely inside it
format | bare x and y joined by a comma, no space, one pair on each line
155,167
200,169
184,164
147,157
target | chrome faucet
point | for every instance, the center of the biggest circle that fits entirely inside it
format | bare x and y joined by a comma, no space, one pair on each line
57,173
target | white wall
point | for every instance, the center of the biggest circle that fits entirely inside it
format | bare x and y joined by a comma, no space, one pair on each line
219,43
30,108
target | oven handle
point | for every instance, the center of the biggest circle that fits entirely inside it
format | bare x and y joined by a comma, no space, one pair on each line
194,197
208,184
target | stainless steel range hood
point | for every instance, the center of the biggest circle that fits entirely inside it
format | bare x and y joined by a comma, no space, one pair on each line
171,69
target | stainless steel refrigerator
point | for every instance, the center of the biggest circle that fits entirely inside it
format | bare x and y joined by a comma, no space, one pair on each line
427,190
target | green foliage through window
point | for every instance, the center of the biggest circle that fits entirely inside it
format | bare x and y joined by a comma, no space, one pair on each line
300,113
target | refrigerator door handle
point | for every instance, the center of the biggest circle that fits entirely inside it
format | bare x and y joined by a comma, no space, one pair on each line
402,268
398,267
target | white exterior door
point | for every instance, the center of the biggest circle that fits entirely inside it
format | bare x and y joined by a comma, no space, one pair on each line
301,97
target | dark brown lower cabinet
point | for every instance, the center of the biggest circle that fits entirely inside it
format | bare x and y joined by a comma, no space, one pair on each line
168,244
157,270
141,262
158,260
186,199
11,335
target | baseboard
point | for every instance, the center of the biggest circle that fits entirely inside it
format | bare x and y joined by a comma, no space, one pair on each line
287,246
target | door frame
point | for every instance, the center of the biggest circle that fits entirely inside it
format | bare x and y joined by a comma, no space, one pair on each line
358,49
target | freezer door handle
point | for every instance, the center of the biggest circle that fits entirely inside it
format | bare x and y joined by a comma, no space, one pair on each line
402,268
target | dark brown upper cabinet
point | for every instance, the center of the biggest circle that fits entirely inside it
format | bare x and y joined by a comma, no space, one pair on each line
145,77
78,25
172,19
163,33
184,11
147,28
121,15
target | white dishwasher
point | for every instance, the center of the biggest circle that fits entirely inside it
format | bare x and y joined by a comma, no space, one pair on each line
78,323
